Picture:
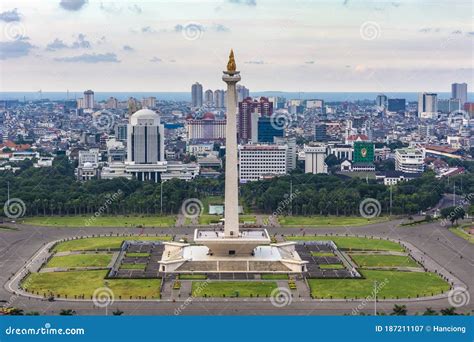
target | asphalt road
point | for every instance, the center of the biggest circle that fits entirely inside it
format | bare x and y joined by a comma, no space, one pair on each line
448,250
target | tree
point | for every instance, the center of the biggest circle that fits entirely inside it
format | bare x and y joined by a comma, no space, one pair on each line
16,312
117,312
399,310
449,312
67,312
453,214
430,312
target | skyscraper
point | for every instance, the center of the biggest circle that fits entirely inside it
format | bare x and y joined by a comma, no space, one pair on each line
249,112
145,140
381,101
219,98
427,105
396,105
242,93
196,95
459,91
209,98
88,99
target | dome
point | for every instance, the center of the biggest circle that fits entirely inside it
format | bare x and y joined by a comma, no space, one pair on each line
208,116
146,117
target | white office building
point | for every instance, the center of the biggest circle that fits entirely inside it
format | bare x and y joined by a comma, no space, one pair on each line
262,161
410,160
314,157
427,105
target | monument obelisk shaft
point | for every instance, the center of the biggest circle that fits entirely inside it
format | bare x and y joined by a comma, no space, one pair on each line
231,214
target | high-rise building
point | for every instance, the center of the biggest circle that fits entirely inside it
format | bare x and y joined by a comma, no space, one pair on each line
209,98
427,105
314,158
262,161
396,105
268,130
409,160
219,101
242,93
314,104
249,112
207,128
89,99
112,103
145,141
196,95
149,102
320,132
459,91
121,132
381,101
448,106
291,152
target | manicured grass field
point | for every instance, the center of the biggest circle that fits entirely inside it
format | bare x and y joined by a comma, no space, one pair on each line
80,260
101,221
384,260
192,277
211,200
132,266
86,282
327,221
137,255
231,288
331,266
354,243
396,284
206,219
276,276
463,234
103,243
247,218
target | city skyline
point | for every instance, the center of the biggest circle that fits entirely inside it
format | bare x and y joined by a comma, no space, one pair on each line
142,46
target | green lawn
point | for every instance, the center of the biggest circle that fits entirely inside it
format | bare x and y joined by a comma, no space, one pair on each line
463,234
213,200
331,266
231,288
101,221
132,266
354,243
102,243
247,218
327,221
80,260
86,282
275,276
401,284
322,254
384,260
137,255
206,219
192,277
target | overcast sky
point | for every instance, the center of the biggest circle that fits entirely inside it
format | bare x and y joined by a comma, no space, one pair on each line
351,45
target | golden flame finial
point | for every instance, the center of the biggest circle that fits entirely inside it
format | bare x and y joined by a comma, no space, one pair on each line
231,67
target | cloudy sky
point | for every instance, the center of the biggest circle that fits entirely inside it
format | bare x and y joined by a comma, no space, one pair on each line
347,45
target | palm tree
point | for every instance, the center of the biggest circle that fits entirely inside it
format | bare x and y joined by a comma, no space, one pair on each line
117,312
399,310
449,312
67,312
430,312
